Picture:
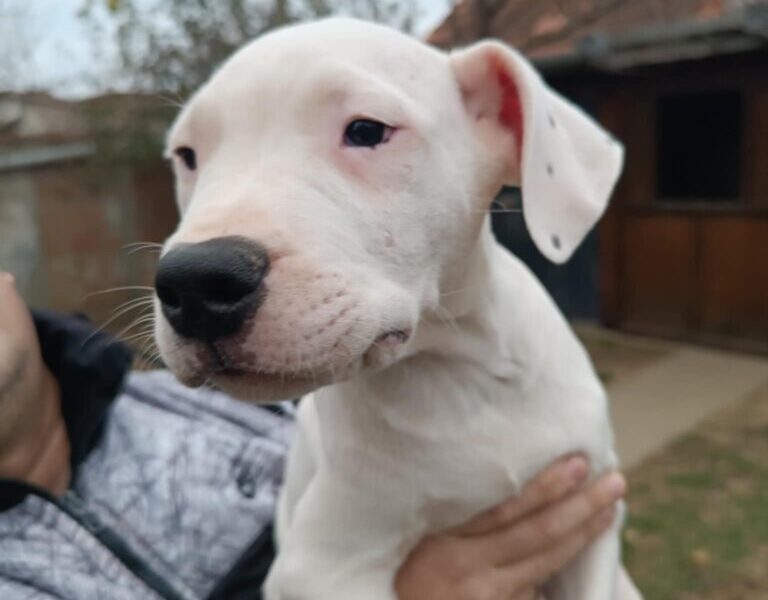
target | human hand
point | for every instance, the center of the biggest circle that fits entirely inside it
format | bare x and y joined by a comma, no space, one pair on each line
18,344
17,334
509,551
33,441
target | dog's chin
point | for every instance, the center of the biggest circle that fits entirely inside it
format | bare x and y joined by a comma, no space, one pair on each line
259,387
247,382
265,388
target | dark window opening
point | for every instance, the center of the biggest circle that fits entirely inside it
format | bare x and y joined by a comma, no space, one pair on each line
698,147
574,285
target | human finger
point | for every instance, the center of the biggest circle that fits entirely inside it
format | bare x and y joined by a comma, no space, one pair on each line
531,573
560,478
549,526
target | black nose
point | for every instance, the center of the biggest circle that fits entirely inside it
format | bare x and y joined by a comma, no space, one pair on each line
208,290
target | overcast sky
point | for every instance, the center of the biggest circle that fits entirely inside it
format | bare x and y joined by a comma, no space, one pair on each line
61,55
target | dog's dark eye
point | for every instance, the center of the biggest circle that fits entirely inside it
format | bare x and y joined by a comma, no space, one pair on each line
366,133
188,156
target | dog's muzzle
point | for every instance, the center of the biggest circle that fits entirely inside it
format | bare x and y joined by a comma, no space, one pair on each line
210,289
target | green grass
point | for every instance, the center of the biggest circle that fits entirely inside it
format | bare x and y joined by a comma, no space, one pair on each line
696,513
695,480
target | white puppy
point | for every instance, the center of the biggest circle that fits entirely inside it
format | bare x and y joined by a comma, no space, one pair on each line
334,181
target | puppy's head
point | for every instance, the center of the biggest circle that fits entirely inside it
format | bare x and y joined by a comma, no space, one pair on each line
332,179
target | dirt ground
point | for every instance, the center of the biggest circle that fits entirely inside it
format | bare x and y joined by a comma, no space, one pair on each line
698,511
616,355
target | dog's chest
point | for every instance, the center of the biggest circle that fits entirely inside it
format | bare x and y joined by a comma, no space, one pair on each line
450,439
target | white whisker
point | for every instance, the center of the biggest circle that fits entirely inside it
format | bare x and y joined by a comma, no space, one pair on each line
124,288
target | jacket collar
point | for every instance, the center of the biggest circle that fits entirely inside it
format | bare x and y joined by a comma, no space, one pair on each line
89,366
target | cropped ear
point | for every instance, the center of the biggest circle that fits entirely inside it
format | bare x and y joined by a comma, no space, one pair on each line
565,163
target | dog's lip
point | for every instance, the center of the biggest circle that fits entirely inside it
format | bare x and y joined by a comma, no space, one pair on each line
237,372
221,366
249,374
393,337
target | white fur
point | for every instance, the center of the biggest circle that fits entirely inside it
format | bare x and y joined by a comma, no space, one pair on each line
400,439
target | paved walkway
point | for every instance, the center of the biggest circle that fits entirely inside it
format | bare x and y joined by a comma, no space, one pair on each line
659,390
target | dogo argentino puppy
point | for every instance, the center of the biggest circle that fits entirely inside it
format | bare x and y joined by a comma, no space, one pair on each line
334,181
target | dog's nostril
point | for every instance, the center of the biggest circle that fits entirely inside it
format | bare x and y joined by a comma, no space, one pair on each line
168,297
227,290
208,290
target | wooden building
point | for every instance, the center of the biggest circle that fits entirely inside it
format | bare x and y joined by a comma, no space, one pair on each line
683,250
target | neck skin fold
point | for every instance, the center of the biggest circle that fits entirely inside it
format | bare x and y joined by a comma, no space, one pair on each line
468,312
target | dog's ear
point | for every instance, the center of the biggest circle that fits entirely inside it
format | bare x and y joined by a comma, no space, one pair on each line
565,163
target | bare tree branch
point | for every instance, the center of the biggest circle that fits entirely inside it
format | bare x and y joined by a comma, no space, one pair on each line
173,45
15,46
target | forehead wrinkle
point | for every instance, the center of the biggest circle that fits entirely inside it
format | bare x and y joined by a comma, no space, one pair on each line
197,122
294,54
340,82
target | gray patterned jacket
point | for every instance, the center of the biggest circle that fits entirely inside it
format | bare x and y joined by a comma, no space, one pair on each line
173,501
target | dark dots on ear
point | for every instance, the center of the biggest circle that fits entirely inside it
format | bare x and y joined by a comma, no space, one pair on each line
556,242
552,122
550,169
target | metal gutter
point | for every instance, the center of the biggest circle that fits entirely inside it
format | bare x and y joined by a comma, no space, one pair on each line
23,158
740,31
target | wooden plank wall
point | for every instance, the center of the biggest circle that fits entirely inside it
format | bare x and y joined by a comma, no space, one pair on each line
693,272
